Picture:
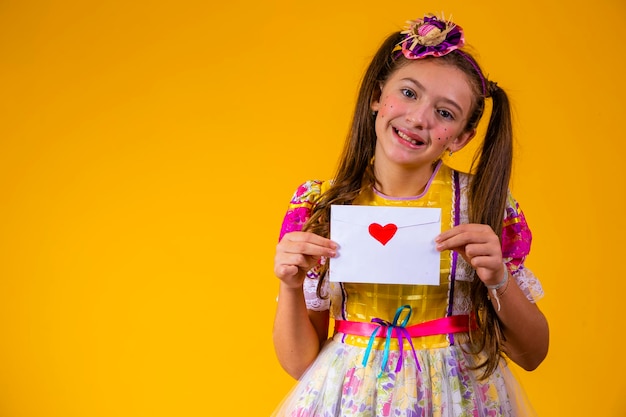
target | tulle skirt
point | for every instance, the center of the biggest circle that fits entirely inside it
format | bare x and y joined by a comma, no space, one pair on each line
337,384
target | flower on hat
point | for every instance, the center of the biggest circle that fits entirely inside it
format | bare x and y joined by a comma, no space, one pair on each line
430,36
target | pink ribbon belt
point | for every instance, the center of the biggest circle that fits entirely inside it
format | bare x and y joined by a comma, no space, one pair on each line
445,325
388,330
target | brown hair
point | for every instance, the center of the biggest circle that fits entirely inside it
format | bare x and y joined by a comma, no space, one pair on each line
488,187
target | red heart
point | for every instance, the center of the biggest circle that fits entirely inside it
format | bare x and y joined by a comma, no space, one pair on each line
383,234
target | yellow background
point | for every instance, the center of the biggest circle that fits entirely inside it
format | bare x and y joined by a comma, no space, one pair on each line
148,151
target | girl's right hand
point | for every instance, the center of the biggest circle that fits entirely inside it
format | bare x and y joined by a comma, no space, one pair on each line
297,252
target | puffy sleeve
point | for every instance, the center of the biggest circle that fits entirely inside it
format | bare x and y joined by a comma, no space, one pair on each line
298,212
300,206
516,240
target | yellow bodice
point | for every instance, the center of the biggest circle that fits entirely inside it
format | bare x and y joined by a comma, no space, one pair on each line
362,302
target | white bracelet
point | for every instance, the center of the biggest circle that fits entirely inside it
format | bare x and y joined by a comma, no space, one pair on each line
502,283
494,288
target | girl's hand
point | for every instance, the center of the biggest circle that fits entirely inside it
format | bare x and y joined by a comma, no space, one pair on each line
479,246
297,252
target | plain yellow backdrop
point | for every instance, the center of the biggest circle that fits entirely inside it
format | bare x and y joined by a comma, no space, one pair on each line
148,151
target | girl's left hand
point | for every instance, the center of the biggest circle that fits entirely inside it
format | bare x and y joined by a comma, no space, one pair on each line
479,245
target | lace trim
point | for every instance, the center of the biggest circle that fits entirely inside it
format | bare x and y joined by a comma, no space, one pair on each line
313,302
529,284
462,302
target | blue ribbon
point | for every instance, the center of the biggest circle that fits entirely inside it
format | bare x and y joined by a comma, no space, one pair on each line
401,333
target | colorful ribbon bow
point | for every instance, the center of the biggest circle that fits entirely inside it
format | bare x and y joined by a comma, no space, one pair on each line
401,333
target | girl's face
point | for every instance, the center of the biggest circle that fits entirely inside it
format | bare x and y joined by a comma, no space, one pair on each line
422,112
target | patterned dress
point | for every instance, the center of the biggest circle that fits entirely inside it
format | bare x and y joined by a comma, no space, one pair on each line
359,375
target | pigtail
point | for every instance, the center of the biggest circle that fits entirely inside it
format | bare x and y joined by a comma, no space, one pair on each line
487,201
493,165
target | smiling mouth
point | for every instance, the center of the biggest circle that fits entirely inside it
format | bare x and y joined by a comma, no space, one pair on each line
405,137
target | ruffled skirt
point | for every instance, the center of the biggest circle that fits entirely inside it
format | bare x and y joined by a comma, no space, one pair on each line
337,384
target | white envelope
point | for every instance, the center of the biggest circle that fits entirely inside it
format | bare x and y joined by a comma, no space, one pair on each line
371,251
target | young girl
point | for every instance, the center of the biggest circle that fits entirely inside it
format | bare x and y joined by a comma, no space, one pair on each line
414,350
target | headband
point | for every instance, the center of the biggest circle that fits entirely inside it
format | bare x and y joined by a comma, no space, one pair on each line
431,36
